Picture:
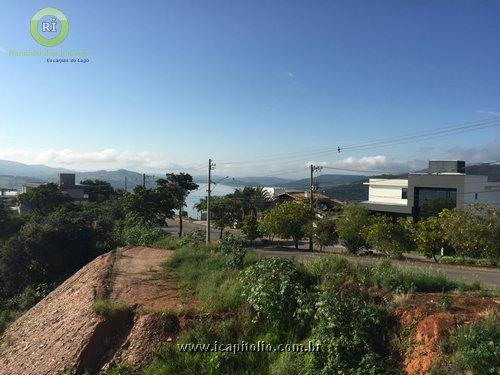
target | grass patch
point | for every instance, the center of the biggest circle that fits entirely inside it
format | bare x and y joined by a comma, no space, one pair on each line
403,280
474,349
167,242
108,309
482,262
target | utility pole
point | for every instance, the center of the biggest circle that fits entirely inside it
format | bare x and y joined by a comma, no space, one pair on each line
144,180
311,203
209,190
311,244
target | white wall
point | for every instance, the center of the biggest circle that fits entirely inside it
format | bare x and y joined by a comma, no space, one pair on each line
387,191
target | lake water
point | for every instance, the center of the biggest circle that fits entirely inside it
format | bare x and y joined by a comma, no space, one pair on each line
196,195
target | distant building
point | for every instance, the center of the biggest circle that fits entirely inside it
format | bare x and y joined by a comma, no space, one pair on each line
67,185
445,185
8,198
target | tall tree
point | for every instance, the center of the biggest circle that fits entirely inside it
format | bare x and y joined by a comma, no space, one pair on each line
178,185
149,207
224,211
252,200
288,220
98,190
45,197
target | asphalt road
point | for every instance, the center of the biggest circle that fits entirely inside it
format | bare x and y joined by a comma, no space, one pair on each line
488,277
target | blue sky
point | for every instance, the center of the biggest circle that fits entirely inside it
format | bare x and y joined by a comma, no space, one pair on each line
171,83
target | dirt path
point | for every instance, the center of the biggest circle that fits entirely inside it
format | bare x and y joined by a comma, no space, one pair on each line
62,332
138,280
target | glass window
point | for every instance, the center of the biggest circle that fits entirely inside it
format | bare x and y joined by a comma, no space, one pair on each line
404,193
431,201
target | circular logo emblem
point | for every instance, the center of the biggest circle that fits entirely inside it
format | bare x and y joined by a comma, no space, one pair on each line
49,27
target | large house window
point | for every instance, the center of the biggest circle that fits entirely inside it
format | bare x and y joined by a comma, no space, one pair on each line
404,193
431,201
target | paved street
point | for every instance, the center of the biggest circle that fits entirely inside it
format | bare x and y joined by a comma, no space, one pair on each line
489,277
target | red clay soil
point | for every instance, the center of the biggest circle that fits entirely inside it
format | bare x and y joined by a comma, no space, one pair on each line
428,322
62,332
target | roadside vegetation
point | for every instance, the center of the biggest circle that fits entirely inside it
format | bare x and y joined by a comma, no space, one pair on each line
346,308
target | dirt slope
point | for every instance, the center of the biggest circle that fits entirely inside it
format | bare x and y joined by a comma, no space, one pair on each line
426,323
62,331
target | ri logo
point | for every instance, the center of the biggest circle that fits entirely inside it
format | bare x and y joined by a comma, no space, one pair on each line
49,27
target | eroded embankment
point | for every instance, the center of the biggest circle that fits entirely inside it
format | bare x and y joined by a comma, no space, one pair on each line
62,332
427,319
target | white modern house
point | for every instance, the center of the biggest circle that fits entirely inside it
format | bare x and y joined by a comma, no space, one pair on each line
424,194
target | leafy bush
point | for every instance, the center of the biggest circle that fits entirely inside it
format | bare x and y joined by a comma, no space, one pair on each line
287,220
428,236
475,349
278,293
472,232
234,249
194,238
352,333
400,280
387,236
50,247
350,226
136,235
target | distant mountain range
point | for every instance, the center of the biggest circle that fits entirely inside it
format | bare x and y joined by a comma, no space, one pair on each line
343,187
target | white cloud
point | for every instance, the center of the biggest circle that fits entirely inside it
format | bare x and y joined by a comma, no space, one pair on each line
290,74
382,164
489,152
493,113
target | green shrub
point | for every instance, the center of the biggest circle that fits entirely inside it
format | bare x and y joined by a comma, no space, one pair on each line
400,280
352,332
288,220
388,236
325,233
472,232
194,238
278,292
429,238
350,226
475,349
234,249
136,235
251,228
